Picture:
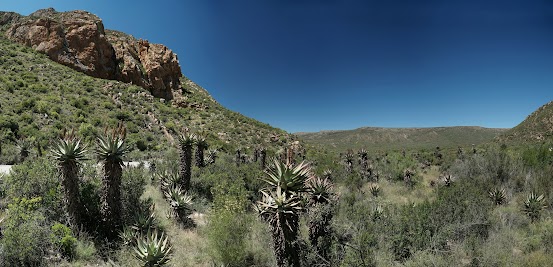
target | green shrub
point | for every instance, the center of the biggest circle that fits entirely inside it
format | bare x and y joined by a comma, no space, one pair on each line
229,224
64,240
34,178
25,241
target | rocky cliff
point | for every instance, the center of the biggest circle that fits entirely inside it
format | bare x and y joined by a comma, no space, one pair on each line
77,39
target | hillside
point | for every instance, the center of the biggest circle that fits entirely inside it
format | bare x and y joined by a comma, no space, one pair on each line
373,138
39,98
537,127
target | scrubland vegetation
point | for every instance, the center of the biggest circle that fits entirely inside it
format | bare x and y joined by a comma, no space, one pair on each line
218,189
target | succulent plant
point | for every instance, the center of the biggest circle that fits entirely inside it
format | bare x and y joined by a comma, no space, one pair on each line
168,180
320,190
201,146
111,147
129,236
211,156
181,204
281,209
447,180
145,221
186,143
288,177
374,189
498,196
153,249
533,206
68,152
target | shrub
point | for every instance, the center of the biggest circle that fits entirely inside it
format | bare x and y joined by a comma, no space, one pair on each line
25,241
229,225
63,239
34,178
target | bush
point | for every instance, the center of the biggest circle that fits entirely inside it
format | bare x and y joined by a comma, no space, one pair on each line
229,225
34,178
63,239
25,241
133,183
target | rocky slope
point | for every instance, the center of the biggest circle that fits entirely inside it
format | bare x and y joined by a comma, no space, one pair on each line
78,39
537,127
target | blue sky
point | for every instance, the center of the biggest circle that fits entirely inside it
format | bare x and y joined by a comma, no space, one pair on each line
310,65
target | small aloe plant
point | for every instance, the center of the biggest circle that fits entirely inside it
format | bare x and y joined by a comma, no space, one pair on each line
448,180
374,189
378,213
181,204
145,220
320,190
498,196
167,180
533,206
153,249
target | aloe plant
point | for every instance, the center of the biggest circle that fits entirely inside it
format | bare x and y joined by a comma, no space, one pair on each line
153,249
348,161
281,206
181,205
168,180
145,220
211,156
498,196
374,189
288,177
320,190
201,146
533,206
281,209
110,151
68,151
186,142
320,214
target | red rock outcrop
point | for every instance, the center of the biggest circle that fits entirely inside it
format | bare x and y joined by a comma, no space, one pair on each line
77,39
148,65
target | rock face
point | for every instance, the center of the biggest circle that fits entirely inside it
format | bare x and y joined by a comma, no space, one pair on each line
148,65
77,39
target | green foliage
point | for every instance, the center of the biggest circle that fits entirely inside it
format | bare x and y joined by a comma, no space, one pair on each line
34,178
458,212
25,241
62,237
133,183
401,138
229,225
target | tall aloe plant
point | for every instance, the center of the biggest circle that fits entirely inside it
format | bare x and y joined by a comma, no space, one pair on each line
281,206
320,214
110,151
186,143
68,153
201,146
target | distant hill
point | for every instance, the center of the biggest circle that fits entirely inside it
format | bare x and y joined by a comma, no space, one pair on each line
537,127
373,138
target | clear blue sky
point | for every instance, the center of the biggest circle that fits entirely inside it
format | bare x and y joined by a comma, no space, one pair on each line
308,65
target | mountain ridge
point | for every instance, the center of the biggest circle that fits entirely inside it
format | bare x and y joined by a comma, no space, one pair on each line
402,138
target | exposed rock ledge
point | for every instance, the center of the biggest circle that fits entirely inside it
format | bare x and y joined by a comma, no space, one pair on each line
77,39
